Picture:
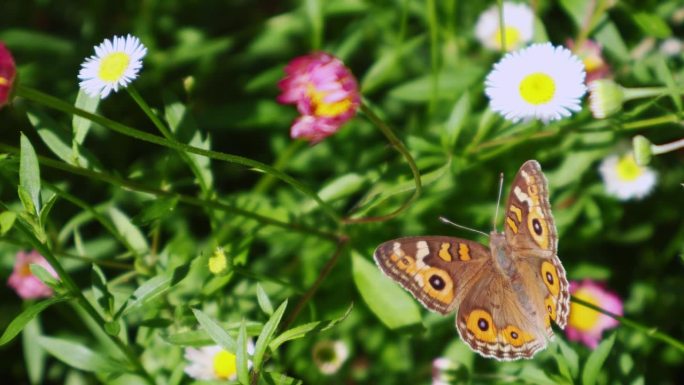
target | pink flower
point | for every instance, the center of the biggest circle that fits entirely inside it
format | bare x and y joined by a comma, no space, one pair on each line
324,91
590,54
585,324
8,70
27,285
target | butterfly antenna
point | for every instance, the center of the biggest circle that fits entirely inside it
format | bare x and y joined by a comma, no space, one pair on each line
448,222
498,201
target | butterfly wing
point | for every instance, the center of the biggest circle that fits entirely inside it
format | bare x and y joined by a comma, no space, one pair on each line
530,232
492,321
436,270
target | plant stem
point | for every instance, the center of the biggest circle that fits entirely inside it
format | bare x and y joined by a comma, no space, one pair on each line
672,118
58,104
199,202
267,180
502,25
75,291
663,148
399,146
651,332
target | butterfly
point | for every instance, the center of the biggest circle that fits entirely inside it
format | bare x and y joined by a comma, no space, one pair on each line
506,295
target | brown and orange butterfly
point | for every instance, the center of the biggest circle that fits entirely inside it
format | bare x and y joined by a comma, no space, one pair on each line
505,296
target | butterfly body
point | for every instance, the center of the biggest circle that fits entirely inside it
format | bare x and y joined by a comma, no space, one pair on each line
506,295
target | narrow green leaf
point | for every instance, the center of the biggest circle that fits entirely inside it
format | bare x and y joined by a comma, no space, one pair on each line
571,357
652,25
149,290
80,357
264,302
273,378
81,125
128,230
26,201
45,211
457,119
215,331
595,361
100,291
34,354
44,275
386,299
267,334
194,338
25,316
7,219
155,210
29,173
311,327
58,140
242,356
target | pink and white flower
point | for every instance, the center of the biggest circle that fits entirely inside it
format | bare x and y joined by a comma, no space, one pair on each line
8,71
586,325
325,93
22,280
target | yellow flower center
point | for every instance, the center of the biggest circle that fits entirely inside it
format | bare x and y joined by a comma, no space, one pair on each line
322,108
225,365
512,37
3,81
592,63
113,66
627,169
218,261
25,270
581,317
537,88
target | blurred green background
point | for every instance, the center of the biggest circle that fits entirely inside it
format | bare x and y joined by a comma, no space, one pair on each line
232,53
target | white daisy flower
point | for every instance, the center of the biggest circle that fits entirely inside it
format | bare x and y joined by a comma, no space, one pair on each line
114,65
330,355
518,26
213,362
540,81
625,179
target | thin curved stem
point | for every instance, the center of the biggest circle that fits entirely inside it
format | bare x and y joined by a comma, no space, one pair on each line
53,102
399,146
651,332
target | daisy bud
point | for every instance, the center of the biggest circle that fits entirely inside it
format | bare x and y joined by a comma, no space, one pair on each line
330,355
642,150
605,98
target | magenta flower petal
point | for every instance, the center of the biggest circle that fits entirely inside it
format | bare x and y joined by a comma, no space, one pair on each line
325,93
8,71
27,285
587,325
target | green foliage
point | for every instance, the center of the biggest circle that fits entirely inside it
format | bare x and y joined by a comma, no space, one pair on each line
130,196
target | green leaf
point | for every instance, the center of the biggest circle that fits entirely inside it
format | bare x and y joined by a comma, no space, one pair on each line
157,209
154,287
273,378
652,25
453,82
570,356
215,331
34,354
386,299
81,125
578,10
595,361
128,230
80,357
25,316
302,330
340,187
58,140
45,211
457,119
44,275
7,221
100,291
609,36
264,302
29,173
267,334
190,338
242,356
26,201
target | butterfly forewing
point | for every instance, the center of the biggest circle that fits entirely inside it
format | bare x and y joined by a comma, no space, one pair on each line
436,270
